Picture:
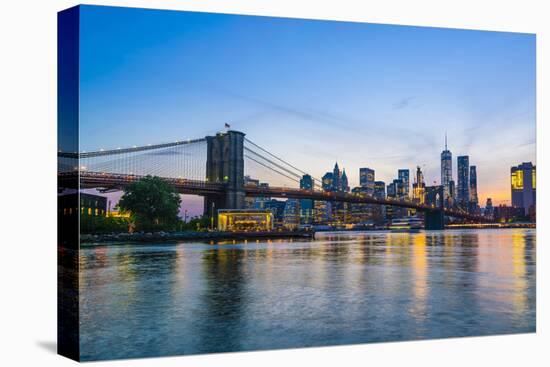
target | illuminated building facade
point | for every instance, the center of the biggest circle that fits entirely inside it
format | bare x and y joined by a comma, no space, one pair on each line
463,187
474,201
404,176
379,211
419,187
395,190
91,205
505,214
245,220
327,181
361,212
277,207
306,205
249,201
291,214
366,180
254,202
452,194
322,212
336,180
379,190
523,184
473,185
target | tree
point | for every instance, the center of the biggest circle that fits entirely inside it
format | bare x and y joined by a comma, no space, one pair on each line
153,204
197,223
102,224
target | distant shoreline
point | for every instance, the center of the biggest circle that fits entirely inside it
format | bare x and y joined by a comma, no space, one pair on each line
89,239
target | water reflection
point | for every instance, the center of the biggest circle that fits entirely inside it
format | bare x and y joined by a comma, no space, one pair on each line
341,288
420,267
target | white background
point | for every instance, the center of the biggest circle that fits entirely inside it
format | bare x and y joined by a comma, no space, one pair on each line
28,181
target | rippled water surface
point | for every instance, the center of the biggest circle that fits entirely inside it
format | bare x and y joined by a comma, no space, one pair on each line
141,300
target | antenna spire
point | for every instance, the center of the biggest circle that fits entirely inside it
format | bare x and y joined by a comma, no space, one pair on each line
445,139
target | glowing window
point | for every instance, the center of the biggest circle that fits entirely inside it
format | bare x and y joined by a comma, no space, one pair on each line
517,180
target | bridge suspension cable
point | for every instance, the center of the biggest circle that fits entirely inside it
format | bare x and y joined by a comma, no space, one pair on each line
271,168
178,160
273,163
270,159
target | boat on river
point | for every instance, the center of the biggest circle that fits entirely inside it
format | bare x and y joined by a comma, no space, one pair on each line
407,224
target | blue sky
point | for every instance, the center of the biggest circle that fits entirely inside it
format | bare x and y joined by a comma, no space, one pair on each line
367,95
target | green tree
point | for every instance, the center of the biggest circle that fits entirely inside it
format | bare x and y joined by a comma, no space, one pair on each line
153,204
102,224
197,223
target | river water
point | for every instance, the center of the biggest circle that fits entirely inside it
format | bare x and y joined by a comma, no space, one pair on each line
141,300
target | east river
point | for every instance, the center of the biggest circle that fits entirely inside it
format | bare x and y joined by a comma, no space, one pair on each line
140,300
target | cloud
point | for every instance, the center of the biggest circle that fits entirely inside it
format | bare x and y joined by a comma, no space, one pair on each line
403,103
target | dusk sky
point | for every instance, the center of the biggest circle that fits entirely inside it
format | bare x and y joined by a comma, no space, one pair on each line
313,92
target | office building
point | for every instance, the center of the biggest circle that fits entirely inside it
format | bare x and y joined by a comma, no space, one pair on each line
306,205
419,187
447,173
327,181
523,185
463,184
366,180
404,176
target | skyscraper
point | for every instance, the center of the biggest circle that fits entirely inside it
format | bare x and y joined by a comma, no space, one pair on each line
291,214
463,184
419,187
379,190
404,176
473,185
396,189
336,178
488,212
344,186
322,212
366,179
327,181
391,191
306,205
446,172
306,182
523,180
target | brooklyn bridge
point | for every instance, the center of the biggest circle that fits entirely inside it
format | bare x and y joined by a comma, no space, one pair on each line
215,167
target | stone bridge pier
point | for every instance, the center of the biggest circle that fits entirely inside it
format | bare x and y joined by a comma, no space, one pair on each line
225,164
435,219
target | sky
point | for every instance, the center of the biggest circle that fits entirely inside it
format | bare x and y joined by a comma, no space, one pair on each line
313,92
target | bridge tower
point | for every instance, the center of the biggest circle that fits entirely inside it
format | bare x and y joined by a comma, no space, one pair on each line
434,219
225,164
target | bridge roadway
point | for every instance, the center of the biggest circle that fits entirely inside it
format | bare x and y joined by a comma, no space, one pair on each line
292,193
195,187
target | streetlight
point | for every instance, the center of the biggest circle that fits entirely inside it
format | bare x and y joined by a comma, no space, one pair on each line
212,217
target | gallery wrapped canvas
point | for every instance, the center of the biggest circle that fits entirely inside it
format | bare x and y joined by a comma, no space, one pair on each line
237,183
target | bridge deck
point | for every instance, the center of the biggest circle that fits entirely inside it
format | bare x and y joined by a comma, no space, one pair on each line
197,187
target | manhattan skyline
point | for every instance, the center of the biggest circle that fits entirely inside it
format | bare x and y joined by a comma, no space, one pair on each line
364,95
